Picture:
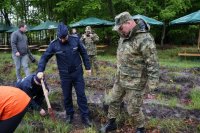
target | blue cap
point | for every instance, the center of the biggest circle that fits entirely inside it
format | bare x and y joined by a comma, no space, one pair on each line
62,30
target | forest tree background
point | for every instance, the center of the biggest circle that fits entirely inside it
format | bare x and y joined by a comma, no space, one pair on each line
33,12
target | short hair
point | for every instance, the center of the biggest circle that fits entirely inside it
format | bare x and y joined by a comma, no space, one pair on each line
21,24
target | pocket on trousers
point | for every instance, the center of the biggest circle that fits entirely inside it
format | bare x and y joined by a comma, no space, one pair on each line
131,82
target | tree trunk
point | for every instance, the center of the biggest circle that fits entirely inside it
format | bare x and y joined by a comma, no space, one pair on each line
48,9
5,15
145,7
111,8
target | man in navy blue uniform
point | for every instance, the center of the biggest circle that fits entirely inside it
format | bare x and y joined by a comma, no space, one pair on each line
33,88
68,51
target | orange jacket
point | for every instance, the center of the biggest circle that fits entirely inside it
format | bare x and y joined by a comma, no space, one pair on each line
12,101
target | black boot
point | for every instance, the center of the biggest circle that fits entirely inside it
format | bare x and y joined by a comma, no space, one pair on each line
140,130
69,119
86,121
111,125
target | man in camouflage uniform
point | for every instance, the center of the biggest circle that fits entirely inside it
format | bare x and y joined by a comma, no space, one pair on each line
90,38
137,70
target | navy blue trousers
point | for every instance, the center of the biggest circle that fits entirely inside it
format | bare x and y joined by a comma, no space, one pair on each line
67,82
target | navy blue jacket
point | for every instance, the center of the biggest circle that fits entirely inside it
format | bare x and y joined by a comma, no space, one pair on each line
68,55
33,90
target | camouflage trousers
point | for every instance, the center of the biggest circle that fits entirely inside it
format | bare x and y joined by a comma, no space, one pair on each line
134,98
94,65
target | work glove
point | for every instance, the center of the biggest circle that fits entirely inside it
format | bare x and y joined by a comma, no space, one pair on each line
42,112
40,75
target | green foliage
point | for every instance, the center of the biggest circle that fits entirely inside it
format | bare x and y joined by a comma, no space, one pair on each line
5,4
173,7
92,5
185,34
69,11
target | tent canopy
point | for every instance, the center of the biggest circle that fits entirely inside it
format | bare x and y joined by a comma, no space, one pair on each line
192,18
46,26
4,27
92,22
150,21
16,28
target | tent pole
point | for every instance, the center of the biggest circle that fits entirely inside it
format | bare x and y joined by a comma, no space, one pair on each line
163,35
6,38
199,39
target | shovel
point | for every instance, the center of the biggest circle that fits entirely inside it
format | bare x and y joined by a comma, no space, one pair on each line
47,100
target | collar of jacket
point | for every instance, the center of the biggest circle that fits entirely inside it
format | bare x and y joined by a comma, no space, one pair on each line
134,31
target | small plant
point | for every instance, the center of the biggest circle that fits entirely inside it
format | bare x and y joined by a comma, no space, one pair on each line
55,95
152,123
25,128
107,58
195,99
173,102
90,130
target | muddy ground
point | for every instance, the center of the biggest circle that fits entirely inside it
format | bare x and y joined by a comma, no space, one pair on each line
174,82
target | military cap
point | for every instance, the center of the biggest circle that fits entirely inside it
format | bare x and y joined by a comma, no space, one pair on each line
88,28
121,18
62,30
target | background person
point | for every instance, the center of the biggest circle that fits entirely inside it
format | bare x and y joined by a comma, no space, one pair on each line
75,33
19,44
13,106
90,38
137,70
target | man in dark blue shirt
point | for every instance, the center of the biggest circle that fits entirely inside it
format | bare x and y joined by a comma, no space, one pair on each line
69,52
33,88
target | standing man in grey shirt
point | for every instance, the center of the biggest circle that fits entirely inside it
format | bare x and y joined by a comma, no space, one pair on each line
19,43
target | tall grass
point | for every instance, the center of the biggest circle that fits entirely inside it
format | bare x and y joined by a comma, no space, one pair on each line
167,58
34,123
167,125
195,99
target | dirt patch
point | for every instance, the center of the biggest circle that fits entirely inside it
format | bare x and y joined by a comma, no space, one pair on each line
173,83
162,111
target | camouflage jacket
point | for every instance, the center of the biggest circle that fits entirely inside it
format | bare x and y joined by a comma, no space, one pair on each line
137,60
90,43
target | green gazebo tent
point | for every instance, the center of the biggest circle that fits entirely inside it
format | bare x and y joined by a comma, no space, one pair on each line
193,18
3,36
92,21
16,28
150,21
4,27
43,27
46,26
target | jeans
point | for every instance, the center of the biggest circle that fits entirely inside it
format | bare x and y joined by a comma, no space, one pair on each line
21,61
